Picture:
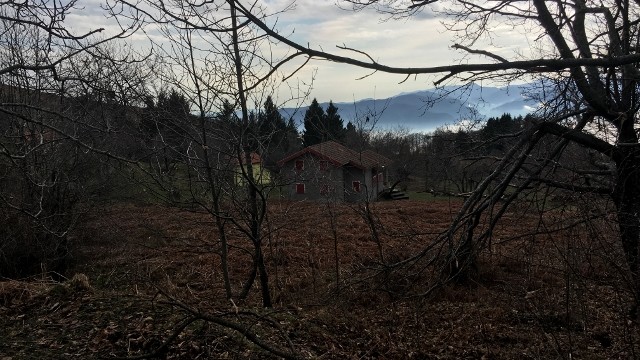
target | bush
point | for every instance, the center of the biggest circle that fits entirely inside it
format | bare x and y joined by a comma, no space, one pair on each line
28,248
34,228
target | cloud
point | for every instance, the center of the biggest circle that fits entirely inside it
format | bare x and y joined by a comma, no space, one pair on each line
90,15
323,25
416,41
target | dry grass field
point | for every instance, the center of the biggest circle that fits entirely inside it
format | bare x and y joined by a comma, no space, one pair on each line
148,284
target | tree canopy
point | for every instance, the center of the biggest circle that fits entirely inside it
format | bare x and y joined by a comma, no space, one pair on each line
586,52
320,126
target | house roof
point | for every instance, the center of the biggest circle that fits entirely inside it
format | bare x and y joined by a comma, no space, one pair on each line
341,155
255,158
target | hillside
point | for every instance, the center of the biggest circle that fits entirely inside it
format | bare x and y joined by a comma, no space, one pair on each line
425,111
143,272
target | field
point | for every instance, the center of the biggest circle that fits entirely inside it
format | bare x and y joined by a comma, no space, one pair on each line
146,282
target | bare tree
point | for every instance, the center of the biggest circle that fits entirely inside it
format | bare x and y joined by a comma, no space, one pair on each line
587,49
47,144
217,59
200,153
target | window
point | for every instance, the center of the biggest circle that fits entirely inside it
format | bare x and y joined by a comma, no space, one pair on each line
356,186
324,165
378,178
299,165
299,188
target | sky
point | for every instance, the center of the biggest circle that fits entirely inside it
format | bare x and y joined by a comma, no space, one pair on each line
323,25
419,40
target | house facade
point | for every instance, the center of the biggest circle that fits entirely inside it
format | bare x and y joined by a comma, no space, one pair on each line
332,171
261,175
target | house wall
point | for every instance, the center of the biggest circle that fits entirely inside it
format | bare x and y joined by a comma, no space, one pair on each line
337,180
321,179
375,182
261,175
352,174
369,188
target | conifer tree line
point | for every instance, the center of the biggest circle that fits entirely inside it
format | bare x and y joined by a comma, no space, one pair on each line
167,117
321,126
435,162
273,135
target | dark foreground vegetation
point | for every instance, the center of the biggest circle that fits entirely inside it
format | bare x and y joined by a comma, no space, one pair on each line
143,211
143,283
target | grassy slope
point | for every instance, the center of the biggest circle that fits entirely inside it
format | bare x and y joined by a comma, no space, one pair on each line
139,259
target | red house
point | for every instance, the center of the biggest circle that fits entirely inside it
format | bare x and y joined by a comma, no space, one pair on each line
330,170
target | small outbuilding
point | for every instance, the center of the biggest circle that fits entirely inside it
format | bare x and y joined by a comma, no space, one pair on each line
330,170
261,175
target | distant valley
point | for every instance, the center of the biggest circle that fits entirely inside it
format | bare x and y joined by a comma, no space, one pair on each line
427,110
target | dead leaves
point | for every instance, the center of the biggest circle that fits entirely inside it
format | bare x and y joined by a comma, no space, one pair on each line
111,312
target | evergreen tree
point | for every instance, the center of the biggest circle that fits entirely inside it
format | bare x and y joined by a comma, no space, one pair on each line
351,135
293,141
496,128
167,122
462,141
505,124
173,114
173,104
272,127
355,138
224,127
313,124
320,126
334,125
227,120
148,123
227,114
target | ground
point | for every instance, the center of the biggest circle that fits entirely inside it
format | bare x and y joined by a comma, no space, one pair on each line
143,272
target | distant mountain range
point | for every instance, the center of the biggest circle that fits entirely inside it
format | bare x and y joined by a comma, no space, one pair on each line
427,110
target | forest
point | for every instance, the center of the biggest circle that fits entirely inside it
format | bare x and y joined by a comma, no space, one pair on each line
134,224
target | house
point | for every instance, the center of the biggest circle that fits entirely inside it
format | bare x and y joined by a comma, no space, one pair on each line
261,175
330,170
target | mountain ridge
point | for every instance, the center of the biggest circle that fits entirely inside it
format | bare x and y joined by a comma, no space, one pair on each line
427,110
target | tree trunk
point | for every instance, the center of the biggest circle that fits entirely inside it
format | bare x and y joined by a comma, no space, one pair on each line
463,264
255,212
214,187
627,201
264,278
249,283
224,247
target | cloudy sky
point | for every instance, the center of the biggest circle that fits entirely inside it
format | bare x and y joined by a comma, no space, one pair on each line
416,41
323,25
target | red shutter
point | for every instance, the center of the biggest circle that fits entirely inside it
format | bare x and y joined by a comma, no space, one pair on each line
299,188
356,186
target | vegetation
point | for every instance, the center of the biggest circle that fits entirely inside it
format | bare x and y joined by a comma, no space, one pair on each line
320,126
527,222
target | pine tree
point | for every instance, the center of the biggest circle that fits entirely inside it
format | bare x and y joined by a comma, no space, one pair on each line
320,126
168,121
496,127
294,141
313,124
355,138
227,113
271,125
148,123
333,124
